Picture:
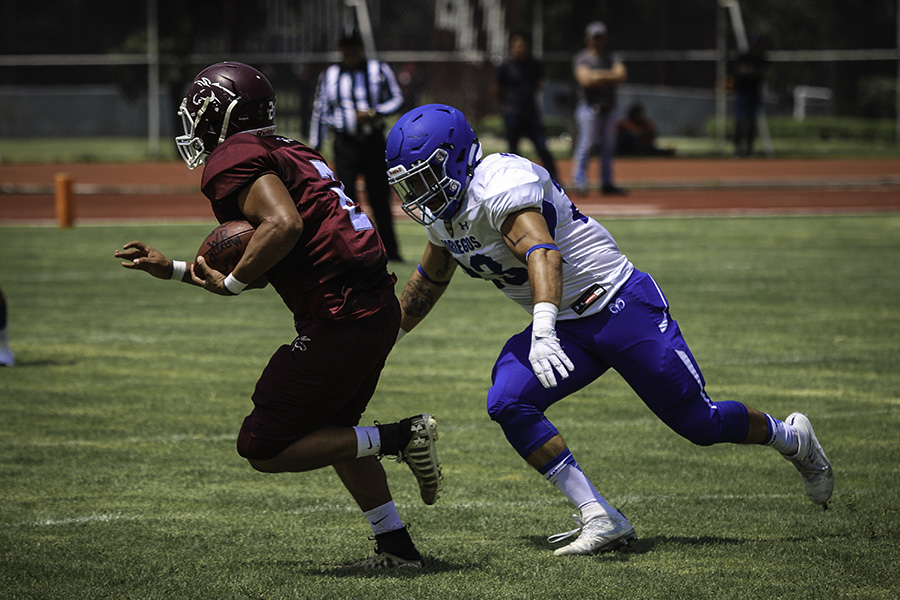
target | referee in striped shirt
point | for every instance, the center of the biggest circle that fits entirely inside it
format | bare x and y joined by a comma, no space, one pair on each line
352,98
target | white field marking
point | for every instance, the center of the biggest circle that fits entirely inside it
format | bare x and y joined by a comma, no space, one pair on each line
317,509
90,519
620,501
795,359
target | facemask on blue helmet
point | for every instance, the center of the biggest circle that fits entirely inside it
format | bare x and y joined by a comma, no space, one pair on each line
431,155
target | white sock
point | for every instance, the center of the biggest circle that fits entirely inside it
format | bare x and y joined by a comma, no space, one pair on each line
384,518
783,437
368,441
574,484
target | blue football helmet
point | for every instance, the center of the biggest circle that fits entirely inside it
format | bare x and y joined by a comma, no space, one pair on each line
431,155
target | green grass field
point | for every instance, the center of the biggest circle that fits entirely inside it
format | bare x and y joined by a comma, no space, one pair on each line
119,478
16,150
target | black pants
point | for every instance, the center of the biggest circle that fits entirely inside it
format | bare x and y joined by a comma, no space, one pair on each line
746,109
364,155
519,125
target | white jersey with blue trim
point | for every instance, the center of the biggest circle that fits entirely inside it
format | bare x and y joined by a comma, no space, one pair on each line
593,269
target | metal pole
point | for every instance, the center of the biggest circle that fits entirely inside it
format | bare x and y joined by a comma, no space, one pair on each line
153,86
740,35
365,25
721,75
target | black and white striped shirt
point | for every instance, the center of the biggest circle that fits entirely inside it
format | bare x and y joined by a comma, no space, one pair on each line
342,92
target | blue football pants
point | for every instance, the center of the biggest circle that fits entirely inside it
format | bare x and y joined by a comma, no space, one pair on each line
637,337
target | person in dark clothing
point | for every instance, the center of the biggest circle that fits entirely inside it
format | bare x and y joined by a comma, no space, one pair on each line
517,81
749,75
637,135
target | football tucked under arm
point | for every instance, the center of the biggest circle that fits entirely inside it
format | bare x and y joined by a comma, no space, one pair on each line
225,245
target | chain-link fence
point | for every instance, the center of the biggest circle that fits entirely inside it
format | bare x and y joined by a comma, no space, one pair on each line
70,68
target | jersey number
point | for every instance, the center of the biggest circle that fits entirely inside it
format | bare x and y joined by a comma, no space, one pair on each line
485,267
358,218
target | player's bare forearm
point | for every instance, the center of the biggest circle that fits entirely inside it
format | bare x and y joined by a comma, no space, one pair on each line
272,241
417,300
425,286
268,205
592,78
438,263
545,275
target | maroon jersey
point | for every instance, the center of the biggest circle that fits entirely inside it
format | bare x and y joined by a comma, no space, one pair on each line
337,270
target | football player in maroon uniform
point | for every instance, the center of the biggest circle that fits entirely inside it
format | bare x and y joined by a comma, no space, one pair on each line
323,256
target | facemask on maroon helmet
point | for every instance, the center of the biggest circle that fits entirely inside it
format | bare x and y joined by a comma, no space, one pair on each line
224,99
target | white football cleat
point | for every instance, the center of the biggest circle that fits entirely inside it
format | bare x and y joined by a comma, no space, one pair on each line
600,534
810,460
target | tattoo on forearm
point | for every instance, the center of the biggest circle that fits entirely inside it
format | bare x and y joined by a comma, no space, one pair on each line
416,299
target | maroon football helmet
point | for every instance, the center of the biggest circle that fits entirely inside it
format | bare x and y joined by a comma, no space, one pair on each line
224,99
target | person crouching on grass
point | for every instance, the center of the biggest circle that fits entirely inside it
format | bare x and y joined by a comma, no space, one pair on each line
503,219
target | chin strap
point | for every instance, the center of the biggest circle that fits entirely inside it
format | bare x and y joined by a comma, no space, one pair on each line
200,112
475,156
224,131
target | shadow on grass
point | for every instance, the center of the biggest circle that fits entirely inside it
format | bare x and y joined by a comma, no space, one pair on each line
645,545
43,362
432,565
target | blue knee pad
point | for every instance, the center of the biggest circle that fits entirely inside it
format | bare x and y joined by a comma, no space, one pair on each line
526,427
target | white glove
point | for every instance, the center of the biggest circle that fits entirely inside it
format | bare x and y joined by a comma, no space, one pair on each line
546,353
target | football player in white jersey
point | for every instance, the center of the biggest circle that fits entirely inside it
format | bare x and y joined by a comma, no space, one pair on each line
502,218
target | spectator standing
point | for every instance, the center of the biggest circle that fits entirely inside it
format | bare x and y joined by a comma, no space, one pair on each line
352,98
597,73
751,68
517,82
